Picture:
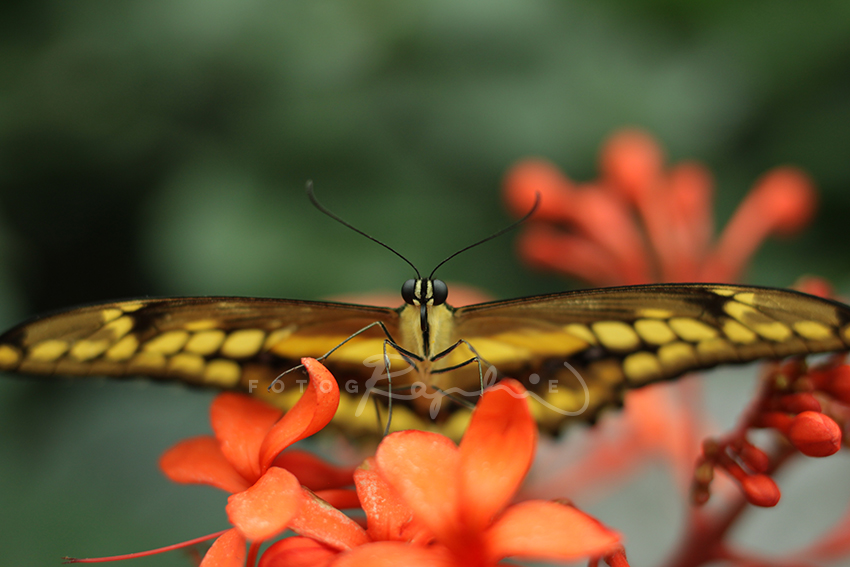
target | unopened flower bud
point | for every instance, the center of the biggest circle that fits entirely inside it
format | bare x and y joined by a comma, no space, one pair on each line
755,459
799,402
760,490
815,434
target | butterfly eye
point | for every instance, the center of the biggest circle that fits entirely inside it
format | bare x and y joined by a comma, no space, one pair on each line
407,291
441,291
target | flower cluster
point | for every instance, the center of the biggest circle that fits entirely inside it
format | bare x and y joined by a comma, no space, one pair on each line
640,223
788,403
422,500
426,500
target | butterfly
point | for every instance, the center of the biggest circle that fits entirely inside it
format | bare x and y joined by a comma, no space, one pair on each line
577,352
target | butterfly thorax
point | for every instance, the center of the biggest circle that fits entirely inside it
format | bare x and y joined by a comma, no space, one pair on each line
426,321
432,337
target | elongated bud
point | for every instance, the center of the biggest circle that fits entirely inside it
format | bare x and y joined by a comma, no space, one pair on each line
815,434
760,490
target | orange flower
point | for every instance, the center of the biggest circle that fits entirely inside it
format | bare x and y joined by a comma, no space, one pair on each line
642,224
244,458
430,502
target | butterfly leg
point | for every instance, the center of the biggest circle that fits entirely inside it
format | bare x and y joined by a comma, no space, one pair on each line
389,389
462,401
378,414
380,324
477,359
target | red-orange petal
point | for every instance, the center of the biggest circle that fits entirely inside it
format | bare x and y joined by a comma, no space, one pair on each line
495,453
321,521
240,423
689,224
311,413
547,248
423,468
631,161
227,551
531,177
199,460
539,529
394,554
782,201
342,498
789,197
388,517
606,219
297,552
313,472
839,383
267,508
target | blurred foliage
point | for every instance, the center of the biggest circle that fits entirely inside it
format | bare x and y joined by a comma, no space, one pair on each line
161,147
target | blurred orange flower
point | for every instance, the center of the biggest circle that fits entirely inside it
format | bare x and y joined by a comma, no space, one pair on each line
244,458
430,502
640,223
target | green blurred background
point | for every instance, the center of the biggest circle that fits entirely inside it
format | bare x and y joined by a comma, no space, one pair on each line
161,148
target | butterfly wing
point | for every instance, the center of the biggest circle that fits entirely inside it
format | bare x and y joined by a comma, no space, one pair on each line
618,338
225,342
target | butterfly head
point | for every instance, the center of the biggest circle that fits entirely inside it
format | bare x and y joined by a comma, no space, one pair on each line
424,291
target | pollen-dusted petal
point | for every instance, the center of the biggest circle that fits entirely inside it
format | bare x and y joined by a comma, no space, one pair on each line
240,424
395,553
266,509
495,453
538,529
226,551
199,460
340,498
313,411
313,472
387,516
297,552
423,468
321,521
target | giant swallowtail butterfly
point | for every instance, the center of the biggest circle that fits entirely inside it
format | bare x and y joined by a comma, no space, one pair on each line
611,339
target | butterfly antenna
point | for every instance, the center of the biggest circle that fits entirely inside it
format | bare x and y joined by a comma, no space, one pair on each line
492,236
318,205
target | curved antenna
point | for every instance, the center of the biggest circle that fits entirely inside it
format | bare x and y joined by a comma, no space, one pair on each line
319,206
494,235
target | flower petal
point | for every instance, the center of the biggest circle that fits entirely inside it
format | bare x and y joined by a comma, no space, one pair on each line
539,529
240,423
297,552
341,498
227,551
394,553
496,452
266,508
321,521
387,516
200,461
311,413
422,468
313,472
631,162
